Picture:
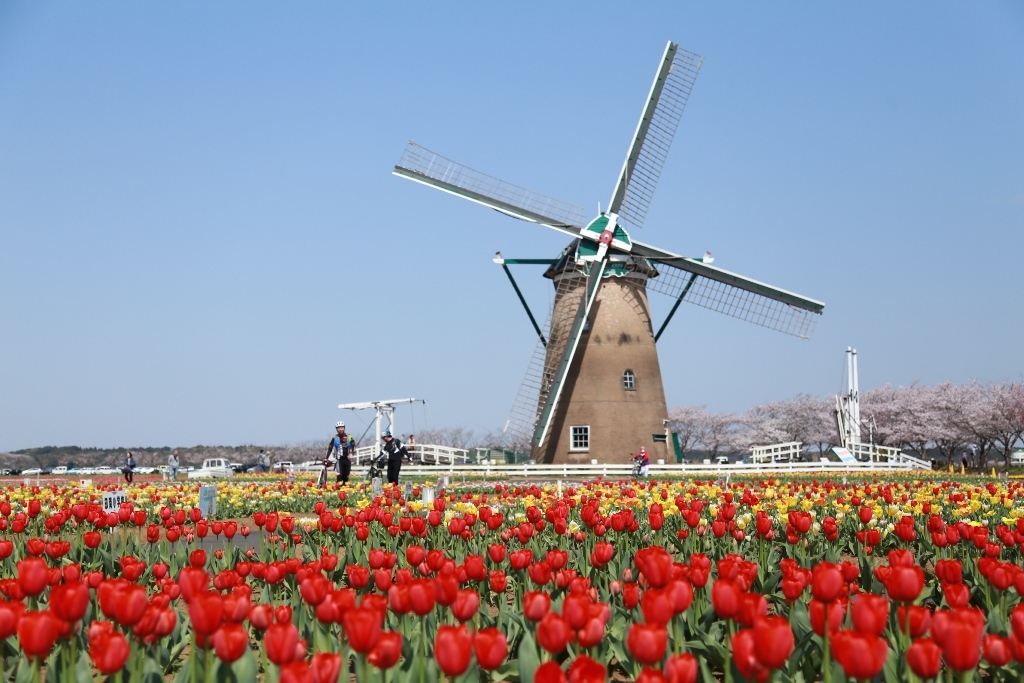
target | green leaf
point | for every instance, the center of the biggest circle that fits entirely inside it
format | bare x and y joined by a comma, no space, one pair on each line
891,669
246,668
529,662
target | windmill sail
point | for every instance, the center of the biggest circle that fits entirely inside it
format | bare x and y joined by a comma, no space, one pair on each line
540,373
648,150
731,294
423,166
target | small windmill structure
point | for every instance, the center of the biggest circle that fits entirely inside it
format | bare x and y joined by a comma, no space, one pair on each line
593,389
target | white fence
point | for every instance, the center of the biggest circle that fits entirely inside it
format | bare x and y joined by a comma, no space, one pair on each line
776,452
428,454
625,471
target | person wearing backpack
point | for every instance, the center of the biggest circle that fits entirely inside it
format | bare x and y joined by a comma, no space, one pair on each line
341,447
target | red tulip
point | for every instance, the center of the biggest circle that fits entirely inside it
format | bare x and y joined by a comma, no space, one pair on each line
296,671
725,597
827,582
230,641
646,642
773,641
536,605
33,575
656,565
656,606
649,675
744,655
422,596
681,669
362,627
206,611
386,653
549,672
108,648
37,632
585,670
452,649
69,601
924,657
491,648
553,633
861,655
466,605
836,614
280,642
870,613
1017,621
913,618
10,614
325,667
905,583
996,649
960,632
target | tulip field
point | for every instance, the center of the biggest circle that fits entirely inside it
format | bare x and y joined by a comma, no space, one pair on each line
765,579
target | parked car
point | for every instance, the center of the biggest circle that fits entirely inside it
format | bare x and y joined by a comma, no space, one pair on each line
282,466
32,472
212,467
60,470
5,472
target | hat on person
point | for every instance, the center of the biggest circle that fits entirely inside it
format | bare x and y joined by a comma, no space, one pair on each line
339,424
386,434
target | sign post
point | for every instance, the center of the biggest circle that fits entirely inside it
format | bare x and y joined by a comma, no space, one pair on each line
112,500
208,500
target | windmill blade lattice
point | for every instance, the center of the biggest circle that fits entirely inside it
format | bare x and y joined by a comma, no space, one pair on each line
540,373
743,303
654,134
422,165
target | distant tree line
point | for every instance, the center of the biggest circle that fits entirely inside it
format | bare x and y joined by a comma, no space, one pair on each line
947,419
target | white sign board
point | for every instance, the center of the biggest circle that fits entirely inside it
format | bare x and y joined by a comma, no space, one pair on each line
378,486
845,455
208,500
427,492
112,501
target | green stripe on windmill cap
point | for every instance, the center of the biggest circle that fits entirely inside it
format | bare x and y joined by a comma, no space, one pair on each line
595,228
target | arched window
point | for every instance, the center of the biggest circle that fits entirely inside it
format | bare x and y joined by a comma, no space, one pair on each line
629,381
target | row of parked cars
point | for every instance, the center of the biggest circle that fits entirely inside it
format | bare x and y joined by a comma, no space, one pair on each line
106,470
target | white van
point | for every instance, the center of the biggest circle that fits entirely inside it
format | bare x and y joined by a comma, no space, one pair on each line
59,471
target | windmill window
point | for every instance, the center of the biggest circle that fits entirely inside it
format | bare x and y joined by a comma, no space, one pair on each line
629,381
580,438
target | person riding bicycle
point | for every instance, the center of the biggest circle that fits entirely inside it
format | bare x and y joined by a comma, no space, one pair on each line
340,448
643,460
395,452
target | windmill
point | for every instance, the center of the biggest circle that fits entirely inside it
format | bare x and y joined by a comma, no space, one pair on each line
593,388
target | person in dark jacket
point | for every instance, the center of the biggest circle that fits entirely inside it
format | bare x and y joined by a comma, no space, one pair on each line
396,453
129,467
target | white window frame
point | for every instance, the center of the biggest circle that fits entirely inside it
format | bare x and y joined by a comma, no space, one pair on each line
574,436
628,380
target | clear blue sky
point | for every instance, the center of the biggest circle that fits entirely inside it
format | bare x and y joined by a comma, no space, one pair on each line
201,240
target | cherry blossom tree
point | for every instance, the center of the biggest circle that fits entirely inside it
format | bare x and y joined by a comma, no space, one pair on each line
687,422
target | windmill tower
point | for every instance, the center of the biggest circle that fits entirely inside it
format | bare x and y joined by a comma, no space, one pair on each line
593,389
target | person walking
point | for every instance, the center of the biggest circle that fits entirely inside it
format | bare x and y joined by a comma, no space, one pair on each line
129,467
396,453
340,449
261,462
172,466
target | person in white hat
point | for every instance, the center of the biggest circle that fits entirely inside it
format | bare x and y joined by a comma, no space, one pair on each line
340,448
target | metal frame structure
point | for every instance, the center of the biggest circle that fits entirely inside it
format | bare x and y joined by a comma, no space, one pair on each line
385,409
